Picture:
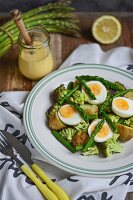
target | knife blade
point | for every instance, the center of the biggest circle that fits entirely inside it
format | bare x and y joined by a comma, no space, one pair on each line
19,147
25,154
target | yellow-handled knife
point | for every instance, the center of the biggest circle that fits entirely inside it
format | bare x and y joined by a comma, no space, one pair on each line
25,154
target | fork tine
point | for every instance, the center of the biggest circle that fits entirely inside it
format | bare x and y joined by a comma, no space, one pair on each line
3,142
5,147
0,147
2,135
3,139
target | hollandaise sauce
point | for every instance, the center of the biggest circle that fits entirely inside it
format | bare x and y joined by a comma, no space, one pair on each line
37,62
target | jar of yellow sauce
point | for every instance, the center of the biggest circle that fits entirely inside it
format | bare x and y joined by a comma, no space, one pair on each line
36,60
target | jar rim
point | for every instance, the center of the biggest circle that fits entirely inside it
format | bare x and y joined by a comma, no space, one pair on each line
35,28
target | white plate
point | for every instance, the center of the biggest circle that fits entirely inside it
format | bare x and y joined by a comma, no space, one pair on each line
51,149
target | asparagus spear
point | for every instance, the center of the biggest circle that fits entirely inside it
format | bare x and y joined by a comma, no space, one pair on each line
85,116
50,16
91,140
110,98
47,7
56,17
59,23
121,93
111,124
69,94
107,83
65,142
105,104
86,87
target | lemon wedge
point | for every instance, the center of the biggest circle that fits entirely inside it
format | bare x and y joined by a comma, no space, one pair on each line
106,29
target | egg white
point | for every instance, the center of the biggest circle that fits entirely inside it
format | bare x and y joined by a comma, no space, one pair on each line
100,98
73,120
123,113
97,138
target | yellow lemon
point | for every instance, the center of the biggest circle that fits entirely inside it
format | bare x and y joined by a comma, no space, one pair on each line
106,29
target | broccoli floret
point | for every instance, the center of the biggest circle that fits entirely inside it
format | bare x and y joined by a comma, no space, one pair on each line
68,133
78,97
91,151
129,122
111,146
81,126
52,110
59,93
114,118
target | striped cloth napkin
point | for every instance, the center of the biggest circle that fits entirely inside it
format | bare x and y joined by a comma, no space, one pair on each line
15,185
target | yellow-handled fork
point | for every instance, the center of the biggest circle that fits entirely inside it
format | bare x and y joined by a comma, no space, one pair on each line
52,192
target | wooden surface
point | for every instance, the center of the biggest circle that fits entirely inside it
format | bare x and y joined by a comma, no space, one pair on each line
62,46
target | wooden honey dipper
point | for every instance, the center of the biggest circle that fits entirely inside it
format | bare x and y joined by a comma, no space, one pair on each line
16,16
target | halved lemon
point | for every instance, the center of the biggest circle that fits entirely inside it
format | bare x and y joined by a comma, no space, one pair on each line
106,29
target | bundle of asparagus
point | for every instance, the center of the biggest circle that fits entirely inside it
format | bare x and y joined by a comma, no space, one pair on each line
55,17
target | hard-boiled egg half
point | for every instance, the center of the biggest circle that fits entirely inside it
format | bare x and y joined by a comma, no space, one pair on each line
122,107
69,115
99,90
104,134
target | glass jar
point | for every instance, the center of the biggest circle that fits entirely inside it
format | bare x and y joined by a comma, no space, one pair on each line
35,61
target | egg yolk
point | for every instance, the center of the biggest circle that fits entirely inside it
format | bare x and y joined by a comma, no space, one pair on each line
67,111
103,132
121,104
95,88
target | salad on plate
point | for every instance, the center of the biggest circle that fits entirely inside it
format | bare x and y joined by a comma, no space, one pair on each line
92,115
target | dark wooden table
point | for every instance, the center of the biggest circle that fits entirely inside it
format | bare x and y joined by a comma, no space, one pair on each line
62,46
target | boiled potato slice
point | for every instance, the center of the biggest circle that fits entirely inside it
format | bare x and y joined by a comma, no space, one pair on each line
129,95
55,123
90,109
126,133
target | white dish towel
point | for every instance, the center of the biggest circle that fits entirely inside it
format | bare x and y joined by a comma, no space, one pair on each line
13,183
